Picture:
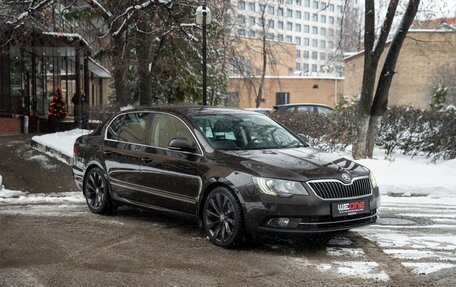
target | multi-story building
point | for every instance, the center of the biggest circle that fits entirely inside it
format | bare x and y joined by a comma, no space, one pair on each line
312,25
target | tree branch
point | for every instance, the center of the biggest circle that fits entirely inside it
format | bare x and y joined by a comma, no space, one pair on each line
386,27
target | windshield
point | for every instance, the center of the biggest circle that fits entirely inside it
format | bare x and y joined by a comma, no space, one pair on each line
244,131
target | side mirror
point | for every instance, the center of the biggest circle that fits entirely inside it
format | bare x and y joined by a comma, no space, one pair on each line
180,144
303,139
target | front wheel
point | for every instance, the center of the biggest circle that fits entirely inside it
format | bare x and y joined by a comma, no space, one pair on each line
223,218
96,192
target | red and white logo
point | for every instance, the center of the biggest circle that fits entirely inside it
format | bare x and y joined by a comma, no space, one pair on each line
350,207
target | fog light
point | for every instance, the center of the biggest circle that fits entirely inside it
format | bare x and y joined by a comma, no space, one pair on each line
283,221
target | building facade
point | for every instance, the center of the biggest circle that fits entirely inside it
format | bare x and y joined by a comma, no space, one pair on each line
427,57
313,26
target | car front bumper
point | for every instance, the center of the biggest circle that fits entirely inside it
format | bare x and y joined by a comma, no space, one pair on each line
305,214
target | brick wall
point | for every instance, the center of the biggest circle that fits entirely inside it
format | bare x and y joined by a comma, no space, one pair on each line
423,52
301,89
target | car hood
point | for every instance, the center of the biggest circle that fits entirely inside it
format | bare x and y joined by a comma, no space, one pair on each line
297,164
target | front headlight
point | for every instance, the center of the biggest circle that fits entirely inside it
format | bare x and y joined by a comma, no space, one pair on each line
373,180
273,186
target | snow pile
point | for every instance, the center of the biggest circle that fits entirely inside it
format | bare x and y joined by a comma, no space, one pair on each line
19,197
61,141
413,176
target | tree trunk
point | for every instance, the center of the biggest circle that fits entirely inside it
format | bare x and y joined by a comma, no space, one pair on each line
263,72
380,103
120,72
374,124
364,107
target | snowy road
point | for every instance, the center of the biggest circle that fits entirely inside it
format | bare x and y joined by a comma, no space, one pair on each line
414,243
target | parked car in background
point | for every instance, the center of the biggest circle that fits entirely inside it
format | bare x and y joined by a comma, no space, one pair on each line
239,172
304,107
264,111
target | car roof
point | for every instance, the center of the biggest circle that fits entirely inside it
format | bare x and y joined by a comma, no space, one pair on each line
303,104
193,110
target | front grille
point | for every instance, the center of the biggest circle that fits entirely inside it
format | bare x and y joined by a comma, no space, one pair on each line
333,189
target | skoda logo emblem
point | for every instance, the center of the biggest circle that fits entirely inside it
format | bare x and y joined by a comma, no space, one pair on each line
346,177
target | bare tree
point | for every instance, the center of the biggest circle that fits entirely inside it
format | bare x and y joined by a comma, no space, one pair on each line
372,107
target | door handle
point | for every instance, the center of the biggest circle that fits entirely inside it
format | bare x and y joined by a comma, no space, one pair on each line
107,152
146,160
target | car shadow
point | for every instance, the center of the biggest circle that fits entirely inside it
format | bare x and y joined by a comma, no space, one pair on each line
272,244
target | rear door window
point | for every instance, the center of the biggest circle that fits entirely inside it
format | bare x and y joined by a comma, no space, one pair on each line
129,127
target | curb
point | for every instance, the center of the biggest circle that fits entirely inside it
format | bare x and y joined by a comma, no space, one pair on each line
52,152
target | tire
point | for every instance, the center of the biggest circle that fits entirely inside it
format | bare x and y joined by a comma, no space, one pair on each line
96,192
222,218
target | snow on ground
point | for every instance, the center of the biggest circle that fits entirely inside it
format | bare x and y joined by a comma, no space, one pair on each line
417,223
18,197
61,141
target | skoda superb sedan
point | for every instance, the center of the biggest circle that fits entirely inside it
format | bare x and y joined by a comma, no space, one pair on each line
239,172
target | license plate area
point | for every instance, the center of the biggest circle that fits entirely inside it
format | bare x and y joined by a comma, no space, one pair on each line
350,207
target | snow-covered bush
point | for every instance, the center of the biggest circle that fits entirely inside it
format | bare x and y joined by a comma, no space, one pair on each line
439,97
406,129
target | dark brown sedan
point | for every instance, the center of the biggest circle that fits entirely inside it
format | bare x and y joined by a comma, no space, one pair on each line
238,172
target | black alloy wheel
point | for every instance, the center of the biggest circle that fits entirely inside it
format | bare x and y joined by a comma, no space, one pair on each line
96,192
223,218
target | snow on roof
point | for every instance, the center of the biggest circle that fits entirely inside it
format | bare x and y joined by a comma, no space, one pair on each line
67,35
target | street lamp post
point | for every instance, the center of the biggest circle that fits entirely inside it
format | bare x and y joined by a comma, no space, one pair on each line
203,18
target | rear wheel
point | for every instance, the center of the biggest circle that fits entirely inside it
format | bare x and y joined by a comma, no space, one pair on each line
96,192
223,218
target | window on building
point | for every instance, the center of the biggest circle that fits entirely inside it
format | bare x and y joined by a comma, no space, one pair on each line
298,27
252,6
282,98
322,56
251,21
270,37
314,67
322,18
306,3
314,43
280,25
241,5
315,4
314,55
331,32
280,38
322,44
330,45
306,16
306,42
315,30
298,14
323,31
322,68
298,53
288,39
279,11
271,24
298,66
271,10
262,8
305,54
315,17
289,13
331,20
306,29
298,2
298,41
305,68
241,20
339,9
289,2
331,7
251,34
289,26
